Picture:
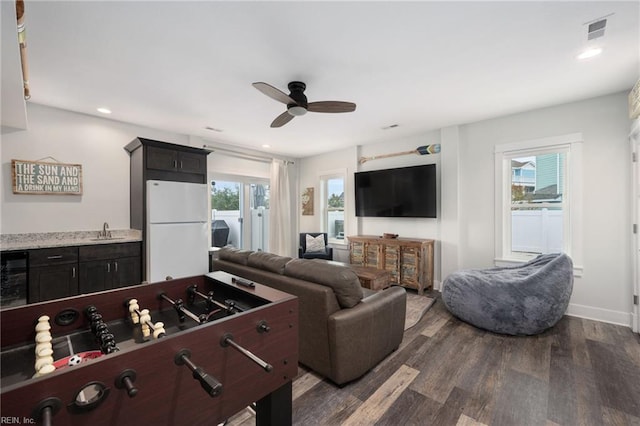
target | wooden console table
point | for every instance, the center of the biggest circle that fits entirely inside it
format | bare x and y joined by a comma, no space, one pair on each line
371,278
409,260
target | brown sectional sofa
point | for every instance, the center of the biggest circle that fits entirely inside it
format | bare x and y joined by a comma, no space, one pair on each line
345,330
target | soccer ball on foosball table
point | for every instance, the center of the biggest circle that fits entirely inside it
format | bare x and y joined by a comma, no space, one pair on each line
74,360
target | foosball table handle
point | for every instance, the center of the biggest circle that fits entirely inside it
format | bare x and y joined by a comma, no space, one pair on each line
125,381
209,383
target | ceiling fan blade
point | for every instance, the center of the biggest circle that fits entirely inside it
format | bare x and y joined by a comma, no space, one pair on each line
274,93
282,119
331,106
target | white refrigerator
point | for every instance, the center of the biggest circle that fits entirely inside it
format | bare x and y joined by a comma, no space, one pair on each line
177,230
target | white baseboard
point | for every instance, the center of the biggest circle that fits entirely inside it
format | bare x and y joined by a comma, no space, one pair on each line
599,314
437,285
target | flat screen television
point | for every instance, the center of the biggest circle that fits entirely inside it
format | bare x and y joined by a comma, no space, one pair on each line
400,192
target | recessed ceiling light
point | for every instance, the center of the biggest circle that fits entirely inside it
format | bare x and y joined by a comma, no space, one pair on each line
213,129
104,110
590,53
392,126
266,145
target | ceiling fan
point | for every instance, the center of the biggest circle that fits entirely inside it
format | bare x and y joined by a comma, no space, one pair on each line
297,104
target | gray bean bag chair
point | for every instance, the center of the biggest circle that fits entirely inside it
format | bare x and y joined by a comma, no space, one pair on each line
521,300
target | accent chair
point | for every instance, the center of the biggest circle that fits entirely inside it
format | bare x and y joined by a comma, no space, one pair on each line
316,250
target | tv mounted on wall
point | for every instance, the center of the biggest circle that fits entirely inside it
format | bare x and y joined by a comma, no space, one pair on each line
401,192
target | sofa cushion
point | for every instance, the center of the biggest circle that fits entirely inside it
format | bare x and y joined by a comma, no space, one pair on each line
341,279
234,255
267,261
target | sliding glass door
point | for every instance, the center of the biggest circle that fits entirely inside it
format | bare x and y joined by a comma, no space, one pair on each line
240,211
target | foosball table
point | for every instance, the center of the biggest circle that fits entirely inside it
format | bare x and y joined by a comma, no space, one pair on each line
191,351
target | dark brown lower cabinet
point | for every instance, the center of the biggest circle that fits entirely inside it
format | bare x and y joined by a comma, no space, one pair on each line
59,272
52,282
53,273
104,267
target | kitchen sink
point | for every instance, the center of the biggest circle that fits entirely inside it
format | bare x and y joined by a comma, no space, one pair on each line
106,239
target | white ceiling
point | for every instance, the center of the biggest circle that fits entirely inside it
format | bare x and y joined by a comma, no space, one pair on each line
183,66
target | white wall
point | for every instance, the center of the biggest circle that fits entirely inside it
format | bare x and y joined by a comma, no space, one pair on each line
604,291
309,171
95,143
347,160
403,226
465,225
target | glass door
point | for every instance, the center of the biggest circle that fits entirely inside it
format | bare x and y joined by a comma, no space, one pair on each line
240,213
226,214
259,205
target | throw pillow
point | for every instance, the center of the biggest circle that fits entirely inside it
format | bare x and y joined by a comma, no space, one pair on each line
315,244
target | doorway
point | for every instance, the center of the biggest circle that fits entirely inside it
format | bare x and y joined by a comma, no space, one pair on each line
240,213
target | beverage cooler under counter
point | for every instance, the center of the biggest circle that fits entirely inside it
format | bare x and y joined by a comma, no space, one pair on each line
13,280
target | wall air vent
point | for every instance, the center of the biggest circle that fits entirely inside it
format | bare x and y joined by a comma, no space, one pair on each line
596,29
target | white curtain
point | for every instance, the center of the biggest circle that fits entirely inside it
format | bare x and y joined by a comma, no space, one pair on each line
280,210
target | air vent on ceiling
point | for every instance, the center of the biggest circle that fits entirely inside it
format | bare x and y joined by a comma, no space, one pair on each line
596,29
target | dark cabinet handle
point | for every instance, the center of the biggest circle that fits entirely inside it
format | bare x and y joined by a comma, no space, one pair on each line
73,272
175,164
58,256
115,264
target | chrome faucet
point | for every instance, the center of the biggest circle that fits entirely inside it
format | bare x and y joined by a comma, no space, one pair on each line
104,233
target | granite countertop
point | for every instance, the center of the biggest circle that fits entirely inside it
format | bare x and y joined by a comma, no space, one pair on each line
63,239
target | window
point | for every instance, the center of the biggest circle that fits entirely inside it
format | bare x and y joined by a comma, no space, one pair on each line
538,193
333,194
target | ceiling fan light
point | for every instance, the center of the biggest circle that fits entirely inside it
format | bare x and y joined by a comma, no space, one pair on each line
297,110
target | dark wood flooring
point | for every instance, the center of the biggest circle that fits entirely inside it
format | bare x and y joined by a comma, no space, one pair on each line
447,372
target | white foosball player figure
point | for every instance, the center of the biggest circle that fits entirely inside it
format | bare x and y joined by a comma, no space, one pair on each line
145,319
44,357
133,308
158,330
44,349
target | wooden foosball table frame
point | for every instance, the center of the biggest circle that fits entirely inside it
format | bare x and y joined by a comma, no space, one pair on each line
165,390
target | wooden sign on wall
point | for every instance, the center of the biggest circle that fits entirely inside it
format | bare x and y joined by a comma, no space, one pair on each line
37,177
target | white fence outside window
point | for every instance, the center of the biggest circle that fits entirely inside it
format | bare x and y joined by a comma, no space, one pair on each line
536,231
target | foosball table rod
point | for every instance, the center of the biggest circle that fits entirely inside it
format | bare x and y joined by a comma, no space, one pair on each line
143,317
181,310
45,410
192,291
227,340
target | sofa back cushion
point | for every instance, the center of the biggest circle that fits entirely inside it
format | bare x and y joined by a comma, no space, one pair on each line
267,261
341,279
234,255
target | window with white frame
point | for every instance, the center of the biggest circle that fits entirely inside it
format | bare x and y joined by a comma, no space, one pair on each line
538,193
332,199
